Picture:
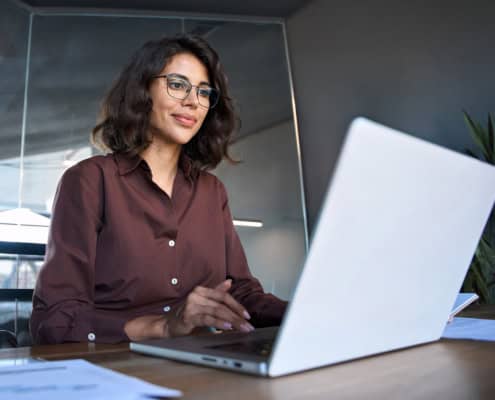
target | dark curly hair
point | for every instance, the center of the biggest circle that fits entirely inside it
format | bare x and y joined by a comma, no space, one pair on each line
125,111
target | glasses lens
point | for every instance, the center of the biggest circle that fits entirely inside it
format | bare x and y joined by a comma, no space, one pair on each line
178,88
207,96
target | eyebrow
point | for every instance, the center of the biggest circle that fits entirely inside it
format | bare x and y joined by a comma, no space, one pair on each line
187,79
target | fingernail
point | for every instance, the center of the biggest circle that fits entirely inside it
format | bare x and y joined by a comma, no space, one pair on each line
246,315
227,325
247,327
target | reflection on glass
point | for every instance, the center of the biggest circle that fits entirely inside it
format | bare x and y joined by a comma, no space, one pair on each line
14,319
19,272
8,264
42,173
14,28
7,316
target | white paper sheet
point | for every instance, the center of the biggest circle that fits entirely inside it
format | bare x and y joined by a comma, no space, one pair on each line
470,328
73,379
461,302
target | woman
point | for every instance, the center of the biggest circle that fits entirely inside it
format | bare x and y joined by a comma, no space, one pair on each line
142,243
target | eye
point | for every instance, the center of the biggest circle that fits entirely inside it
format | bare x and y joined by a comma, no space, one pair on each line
204,92
177,84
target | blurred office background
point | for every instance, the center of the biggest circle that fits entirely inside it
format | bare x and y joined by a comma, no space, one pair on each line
411,65
55,66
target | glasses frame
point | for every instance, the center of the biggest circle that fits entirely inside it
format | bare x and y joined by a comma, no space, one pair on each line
191,86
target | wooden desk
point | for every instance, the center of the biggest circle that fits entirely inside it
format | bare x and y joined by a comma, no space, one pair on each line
443,370
449,369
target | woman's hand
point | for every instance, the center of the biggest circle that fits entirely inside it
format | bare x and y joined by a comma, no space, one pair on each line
203,307
209,307
146,327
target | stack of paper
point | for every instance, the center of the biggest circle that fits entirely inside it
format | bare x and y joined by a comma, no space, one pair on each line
74,379
471,329
468,328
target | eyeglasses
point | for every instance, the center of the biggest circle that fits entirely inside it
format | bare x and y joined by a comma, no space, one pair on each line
179,88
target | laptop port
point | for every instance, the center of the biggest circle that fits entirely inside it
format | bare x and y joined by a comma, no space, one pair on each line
209,359
237,364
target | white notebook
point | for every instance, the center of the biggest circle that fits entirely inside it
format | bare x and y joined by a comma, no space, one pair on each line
463,300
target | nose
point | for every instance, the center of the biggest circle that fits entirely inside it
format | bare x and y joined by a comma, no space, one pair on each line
192,98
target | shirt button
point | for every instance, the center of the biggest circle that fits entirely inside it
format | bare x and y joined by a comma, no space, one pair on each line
174,281
91,337
171,243
166,308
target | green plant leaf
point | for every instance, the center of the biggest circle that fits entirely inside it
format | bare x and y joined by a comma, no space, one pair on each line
481,274
468,284
470,153
488,251
479,136
489,232
480,283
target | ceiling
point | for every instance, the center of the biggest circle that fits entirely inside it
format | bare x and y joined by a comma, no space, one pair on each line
263,8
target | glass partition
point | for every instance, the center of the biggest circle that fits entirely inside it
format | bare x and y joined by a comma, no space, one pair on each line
265,186
69,74
73,60
14,34
14,38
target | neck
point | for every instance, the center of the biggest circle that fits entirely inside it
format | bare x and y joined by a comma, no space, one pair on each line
163,159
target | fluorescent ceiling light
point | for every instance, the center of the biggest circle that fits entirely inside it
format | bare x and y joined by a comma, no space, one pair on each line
24,226
69,163
248,222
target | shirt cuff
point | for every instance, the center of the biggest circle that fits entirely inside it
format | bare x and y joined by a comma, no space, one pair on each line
95,326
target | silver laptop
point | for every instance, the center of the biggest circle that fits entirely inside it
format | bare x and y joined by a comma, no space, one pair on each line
398,228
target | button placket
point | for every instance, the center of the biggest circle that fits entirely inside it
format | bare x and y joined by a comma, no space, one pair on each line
174,281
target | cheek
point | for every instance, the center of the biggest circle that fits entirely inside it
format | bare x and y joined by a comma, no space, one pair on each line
160,111
201,120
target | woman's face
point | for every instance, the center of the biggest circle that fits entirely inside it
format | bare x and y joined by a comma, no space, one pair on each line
172,120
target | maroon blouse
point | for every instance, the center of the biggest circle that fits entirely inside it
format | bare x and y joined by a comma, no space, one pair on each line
119,248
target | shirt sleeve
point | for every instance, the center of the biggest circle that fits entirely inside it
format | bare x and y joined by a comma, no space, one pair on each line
63,300
265,309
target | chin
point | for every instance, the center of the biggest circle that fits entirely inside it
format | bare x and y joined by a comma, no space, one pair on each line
182,139
176,136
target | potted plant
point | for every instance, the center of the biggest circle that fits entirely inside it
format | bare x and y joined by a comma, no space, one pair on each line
481,274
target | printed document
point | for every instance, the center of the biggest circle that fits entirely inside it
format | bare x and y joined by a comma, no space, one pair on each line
74,379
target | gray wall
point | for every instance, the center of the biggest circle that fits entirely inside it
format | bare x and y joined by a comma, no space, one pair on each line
276,252
411,65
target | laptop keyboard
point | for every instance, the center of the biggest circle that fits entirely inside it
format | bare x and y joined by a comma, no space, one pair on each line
261,347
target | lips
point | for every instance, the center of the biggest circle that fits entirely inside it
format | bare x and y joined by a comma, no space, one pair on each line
185,119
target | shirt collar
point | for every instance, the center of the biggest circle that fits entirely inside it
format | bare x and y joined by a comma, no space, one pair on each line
126,164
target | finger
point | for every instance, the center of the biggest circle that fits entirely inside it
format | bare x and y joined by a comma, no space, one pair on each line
220,312
225,298
224,286
208,320
195,315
